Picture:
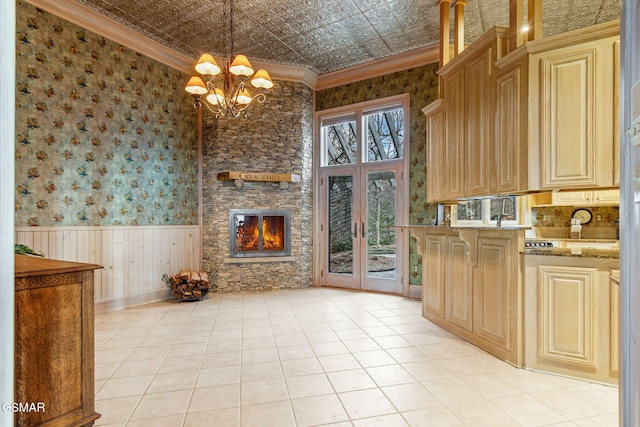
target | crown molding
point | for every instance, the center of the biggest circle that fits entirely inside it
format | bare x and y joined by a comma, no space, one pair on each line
380,67
98,23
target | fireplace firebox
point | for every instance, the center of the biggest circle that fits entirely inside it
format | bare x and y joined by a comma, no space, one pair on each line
259,233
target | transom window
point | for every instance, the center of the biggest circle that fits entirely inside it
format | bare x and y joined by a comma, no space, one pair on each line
384,137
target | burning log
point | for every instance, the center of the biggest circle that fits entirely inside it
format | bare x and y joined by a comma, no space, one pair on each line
188,285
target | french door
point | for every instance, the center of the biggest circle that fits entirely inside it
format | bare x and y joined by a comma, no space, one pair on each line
361,248
360,196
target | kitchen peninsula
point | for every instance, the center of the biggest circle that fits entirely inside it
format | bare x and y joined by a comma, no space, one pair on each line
473,284
550,309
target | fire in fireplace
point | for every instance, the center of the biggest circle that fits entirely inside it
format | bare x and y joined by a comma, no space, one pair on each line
259,233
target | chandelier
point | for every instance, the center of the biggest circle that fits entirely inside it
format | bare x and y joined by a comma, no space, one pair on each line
228,94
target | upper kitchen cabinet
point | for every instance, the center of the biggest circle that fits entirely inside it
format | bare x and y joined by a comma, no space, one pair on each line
556,98
467,147
586,198
435,150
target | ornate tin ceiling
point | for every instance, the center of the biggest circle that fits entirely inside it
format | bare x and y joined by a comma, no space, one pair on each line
328,35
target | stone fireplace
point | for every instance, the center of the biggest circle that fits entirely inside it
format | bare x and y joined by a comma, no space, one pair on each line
259,233
276,139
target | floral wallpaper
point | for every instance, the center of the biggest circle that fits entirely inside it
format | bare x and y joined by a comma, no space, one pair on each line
104,135
423,85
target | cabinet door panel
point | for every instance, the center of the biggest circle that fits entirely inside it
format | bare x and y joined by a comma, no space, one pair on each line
565,318
456,125
459,285
479,112
508,140
436,153
614,337
568,119
571,198
492,292
433,291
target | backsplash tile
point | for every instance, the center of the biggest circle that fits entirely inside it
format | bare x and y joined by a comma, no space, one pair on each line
555,221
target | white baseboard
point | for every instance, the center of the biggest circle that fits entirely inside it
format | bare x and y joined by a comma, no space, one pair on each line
132,300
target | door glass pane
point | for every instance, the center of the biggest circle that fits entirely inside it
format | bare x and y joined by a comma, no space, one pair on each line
339,143
381,216
340,224
247,233
385,134
273,229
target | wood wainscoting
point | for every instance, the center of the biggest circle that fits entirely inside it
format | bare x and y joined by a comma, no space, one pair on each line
134,258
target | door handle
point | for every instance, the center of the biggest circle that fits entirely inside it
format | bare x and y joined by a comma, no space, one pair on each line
355,230
362,233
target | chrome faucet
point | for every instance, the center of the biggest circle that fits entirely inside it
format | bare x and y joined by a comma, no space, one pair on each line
503,203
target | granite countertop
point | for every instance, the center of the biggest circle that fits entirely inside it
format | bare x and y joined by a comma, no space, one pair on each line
566,239
462,227
568,252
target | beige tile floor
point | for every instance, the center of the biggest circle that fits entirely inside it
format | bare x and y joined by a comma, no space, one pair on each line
318,357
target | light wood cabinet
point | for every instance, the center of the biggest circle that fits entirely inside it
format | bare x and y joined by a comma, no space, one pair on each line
575,126
586,198
510,167
614,318
570,316
455,125
563,114
542,117
433,273
467,153
495,295
472,286
54,343
565,315
436,139
458,284
479,107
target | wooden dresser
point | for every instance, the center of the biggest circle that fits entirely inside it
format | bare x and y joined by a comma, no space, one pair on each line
54,343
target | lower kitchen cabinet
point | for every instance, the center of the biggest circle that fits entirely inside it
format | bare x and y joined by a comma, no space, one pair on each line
614,317
565,319
472,286
496,287
458,285
433,273
570,306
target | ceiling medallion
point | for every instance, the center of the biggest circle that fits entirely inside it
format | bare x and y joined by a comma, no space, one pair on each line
229,94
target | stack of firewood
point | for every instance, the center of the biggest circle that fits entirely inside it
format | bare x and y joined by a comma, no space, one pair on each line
188,285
